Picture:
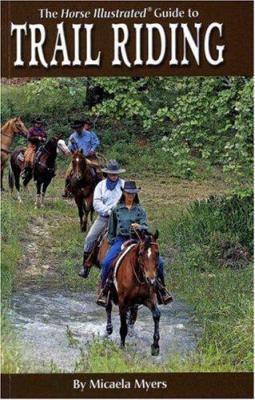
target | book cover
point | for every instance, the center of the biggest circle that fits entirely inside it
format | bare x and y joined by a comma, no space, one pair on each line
126,199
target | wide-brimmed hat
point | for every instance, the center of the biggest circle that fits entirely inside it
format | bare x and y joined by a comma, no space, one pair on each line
37,120
130,187
88,121
113,167
77,124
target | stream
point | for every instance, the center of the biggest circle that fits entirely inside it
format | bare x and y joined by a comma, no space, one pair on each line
54,325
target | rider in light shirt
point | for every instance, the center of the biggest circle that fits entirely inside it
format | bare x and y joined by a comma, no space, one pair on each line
84,140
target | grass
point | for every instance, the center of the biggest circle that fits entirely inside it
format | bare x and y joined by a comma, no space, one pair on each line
220,295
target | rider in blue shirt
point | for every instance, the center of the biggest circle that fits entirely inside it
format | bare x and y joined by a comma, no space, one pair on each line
83,139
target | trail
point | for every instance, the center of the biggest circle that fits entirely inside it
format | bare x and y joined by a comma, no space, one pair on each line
36,264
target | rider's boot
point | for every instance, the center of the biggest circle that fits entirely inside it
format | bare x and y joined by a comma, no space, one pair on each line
103,297
163,295
87,264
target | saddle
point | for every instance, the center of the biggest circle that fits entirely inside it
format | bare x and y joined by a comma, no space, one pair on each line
125,249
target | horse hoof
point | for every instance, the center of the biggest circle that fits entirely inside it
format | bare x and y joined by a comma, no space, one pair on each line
109,329
154,350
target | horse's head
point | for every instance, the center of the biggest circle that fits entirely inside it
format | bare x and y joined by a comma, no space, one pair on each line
18,126
79,165
51,145
148,254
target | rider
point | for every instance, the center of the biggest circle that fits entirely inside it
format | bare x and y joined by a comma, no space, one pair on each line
106,195
36,136
82,140
128,215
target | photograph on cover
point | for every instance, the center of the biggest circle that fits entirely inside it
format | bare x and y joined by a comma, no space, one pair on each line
127,224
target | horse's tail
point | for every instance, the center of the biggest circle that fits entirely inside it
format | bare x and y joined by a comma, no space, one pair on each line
11,176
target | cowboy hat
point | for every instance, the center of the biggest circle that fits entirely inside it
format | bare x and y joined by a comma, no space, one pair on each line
113,167
37,120
130,187
77,124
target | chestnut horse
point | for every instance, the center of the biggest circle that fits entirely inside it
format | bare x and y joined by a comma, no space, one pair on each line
11,128
134,284
82,181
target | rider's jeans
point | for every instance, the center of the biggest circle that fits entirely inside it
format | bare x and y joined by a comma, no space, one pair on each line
94,232
112,253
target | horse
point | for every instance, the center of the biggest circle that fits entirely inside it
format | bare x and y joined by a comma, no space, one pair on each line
43,169
134,284
11,128
82,183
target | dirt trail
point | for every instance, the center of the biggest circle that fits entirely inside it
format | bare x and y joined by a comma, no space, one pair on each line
36,263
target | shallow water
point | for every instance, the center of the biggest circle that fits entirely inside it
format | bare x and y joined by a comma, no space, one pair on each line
43,318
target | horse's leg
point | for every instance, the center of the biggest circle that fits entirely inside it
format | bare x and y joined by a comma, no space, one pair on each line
132,319
108,309
156,317
17,183
38,194
27,180
123,323
2,175
80,211
89,208
44,188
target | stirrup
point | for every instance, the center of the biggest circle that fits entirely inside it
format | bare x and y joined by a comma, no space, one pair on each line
103,298
167,297
163,295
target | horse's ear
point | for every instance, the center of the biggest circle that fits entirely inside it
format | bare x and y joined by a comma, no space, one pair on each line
156,234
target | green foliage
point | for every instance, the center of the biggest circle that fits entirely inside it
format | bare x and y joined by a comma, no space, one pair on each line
185,118
210,229
213,269
210,118
57,100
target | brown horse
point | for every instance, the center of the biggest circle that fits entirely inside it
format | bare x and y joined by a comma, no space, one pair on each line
11,128
134,284
43,170
82,183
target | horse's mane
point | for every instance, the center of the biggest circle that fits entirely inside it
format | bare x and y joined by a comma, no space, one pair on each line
147,241
7,124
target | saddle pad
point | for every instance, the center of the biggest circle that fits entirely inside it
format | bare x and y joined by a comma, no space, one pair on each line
118,262
21,157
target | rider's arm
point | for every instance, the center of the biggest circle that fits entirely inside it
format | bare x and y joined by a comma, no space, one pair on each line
142,219
98,204
112,227
70,143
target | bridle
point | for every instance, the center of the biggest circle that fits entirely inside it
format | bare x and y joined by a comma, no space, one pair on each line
140,262
81,175
50,170
10,136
